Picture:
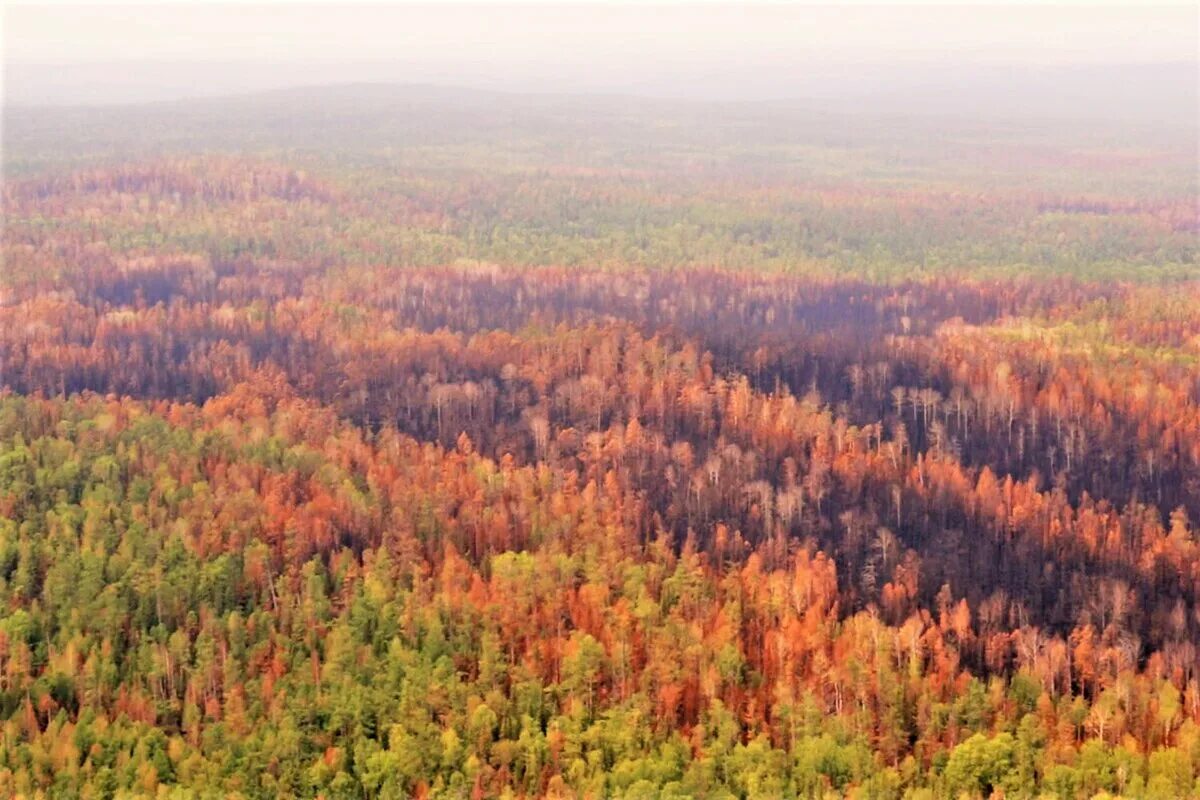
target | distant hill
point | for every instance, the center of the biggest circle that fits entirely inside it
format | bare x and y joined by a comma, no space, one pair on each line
369,117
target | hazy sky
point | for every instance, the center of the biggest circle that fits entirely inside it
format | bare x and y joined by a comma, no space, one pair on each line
59,32
152,50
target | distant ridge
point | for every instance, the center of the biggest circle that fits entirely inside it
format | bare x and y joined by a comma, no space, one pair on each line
363,117
1168,92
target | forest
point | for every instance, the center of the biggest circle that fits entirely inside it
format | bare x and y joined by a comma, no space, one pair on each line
382,442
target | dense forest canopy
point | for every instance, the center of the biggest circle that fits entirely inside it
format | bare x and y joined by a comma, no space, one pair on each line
387,442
